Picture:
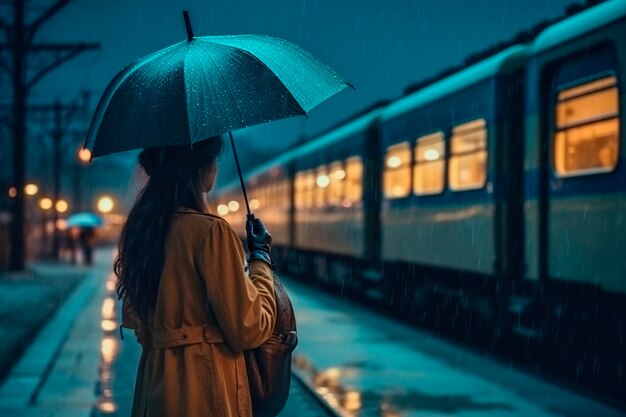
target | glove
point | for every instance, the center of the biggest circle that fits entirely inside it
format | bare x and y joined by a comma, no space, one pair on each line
259,241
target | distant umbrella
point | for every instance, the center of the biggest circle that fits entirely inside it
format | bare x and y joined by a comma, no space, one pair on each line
208,86
84,220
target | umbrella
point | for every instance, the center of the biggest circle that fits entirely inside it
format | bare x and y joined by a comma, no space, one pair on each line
84,219
208,86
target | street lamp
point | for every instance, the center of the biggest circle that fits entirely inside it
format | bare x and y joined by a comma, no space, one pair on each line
105,204
12,192
45,203
31,189
61,206
84,155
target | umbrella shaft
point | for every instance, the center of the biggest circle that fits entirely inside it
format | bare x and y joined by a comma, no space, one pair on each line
243,185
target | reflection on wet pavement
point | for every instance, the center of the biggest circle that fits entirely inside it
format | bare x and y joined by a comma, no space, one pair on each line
109,349
389,402
118,359
365,365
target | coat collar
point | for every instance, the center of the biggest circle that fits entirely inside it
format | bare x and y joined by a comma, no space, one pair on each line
188,210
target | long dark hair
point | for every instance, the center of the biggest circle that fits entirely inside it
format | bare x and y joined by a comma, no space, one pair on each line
175,179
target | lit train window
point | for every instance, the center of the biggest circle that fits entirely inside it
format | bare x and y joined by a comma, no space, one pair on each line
337,176
275,195
276,192
397,171
354,181
429,172
284,194
468,156
261,197
267,191
299,190
586,139
321,185
309,188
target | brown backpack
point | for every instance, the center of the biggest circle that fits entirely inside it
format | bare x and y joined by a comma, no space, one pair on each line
269,365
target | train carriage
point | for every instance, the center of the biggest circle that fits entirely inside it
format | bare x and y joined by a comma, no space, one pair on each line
575,196
335,214
451,189
574,172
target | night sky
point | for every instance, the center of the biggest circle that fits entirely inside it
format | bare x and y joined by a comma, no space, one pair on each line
381,47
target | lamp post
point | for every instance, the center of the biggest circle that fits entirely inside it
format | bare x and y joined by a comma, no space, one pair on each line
60,206
83,157
45,204
31,189
31,217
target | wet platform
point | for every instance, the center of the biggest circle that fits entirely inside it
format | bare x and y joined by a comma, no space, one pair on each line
367,365
357,362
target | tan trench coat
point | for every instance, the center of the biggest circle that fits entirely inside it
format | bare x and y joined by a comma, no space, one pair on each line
187,369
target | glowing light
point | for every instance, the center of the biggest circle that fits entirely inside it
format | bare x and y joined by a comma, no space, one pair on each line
12,192
222,210
431,155
105,204
61,206
31,189
254,204
339,174
394,161
108,349
233,206
45,203
352,400
50,226
110,285
108,325
61,224
107,407
328,378
323,181
84,155
108,308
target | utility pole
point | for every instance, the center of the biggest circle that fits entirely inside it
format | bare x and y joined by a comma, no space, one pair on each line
20,43
62,116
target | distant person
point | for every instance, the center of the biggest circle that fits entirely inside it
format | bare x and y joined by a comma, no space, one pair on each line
87,237
70,244
186,293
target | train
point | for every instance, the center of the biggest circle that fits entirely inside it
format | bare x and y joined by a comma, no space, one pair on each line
491,202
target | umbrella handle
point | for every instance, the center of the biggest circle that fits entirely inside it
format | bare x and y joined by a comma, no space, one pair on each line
243,185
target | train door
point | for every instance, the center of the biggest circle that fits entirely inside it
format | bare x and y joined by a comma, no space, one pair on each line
584,194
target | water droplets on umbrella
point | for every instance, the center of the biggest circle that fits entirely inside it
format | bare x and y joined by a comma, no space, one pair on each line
207,86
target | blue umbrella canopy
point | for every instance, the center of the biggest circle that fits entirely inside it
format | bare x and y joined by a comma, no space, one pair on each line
207,86
84,219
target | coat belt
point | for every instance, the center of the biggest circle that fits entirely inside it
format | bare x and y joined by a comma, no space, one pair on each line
165,339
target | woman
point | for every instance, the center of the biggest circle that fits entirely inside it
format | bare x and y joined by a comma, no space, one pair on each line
181,276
